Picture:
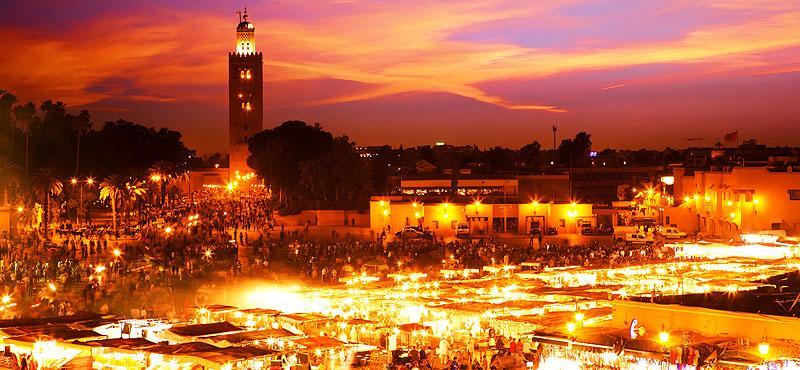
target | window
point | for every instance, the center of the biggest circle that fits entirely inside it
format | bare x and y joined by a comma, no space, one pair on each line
408,222
794,194
562,223
666,221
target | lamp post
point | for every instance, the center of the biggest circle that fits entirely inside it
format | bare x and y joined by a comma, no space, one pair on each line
74,181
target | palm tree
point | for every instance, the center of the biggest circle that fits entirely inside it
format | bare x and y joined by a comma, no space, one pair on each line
162,173
135,193
113,188
9,175
81,125
24,116
46,184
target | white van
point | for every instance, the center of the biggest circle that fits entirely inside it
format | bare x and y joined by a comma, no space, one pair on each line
672,233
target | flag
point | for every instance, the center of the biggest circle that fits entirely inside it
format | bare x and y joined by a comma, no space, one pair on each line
732,137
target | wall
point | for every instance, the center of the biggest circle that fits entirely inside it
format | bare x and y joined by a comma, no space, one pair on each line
746,199
5,220
704,321
396,213
328,217
544,188
208,176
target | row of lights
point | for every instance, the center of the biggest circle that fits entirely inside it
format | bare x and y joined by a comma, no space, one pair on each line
572,213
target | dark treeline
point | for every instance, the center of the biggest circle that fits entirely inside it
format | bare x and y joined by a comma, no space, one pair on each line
48,155
71,145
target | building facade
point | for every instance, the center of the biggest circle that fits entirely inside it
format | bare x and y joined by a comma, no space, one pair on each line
245,95
392,213
740,200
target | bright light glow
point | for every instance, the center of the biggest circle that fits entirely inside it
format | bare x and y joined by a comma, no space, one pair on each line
572,214
707,198
579,316
730,203
477,203
535,204
760,238
89,181
663,337
733,215
155,177
763,348
715,251
100,269
73,181
417,214
571,327
385,212
381,203
52,287
117,253
414,205
20,209
287,299
755,201
668,180
168,229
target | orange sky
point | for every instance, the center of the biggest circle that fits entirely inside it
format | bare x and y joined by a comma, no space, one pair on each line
634,74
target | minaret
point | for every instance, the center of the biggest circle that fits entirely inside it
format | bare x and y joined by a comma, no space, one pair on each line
245,95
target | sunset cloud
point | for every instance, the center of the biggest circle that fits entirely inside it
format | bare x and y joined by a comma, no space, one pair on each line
164,54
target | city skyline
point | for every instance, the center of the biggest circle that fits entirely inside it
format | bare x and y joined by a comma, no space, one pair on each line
487,73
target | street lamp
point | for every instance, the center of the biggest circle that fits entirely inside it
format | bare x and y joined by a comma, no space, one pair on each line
74,181
763,348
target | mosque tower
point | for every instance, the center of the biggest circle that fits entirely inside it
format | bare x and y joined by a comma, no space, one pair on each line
245,95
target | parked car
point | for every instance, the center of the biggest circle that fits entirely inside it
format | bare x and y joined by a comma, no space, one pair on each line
605,229
551,231
636,238
413,232
672,233
462,230
586,229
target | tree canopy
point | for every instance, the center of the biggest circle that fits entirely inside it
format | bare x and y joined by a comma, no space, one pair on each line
307,166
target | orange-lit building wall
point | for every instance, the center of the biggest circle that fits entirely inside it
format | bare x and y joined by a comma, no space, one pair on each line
744,200
393,213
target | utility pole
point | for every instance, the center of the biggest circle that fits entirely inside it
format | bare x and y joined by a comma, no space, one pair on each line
555,128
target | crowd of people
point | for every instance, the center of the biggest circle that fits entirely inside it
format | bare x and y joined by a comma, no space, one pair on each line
157,270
